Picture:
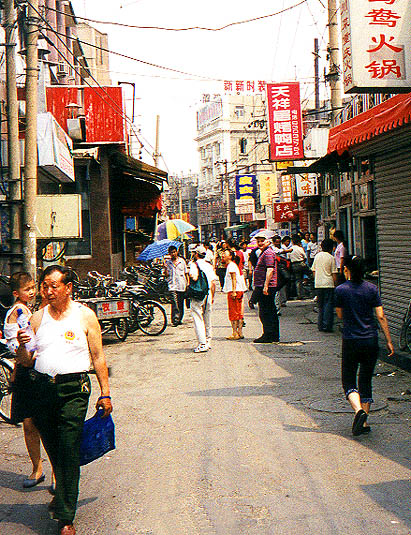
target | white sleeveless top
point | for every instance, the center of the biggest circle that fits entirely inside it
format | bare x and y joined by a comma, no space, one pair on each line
62,345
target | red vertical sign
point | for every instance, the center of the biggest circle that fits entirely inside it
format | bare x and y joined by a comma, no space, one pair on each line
285,121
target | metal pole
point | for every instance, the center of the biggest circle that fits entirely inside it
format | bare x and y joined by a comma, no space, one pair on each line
333,50
13,144
156,154
227,183
30,156
316,77
180,196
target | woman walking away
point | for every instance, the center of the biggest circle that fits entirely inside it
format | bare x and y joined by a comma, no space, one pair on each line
234,287
356,302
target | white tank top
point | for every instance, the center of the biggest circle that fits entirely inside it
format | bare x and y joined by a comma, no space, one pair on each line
62,345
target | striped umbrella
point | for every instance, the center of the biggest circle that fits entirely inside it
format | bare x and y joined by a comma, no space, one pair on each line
173,228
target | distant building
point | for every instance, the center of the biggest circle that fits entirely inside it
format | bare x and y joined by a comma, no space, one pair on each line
95,47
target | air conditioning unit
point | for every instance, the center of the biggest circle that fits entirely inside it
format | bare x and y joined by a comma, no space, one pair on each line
62,68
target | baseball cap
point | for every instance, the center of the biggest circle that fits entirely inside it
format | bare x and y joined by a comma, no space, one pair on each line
200,249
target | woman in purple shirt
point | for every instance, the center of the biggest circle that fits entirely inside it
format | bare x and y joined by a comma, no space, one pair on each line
358,304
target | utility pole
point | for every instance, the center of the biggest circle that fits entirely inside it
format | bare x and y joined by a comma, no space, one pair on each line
316,77
30,156
180,196
333,51
156,154
13,144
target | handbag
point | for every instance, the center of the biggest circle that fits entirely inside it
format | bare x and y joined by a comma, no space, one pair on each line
97,439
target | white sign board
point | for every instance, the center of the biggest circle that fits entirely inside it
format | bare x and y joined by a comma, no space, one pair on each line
307,185
244,206
376,45
54,148
58,216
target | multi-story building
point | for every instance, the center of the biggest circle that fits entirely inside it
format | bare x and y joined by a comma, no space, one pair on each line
181,197
231,139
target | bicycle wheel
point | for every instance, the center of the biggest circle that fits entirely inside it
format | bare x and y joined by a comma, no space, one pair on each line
132,320
402,343
121,329
151,318
5,390
408,335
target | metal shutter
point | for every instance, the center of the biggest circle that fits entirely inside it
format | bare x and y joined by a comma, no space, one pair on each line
393,208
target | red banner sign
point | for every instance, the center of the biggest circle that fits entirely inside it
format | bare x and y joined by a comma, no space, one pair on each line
284,211
285,121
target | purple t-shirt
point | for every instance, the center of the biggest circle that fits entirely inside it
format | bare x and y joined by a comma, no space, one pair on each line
267,259
358,302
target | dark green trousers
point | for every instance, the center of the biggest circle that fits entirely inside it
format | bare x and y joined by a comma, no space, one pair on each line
59,411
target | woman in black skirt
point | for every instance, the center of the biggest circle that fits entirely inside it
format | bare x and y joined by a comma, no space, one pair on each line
358,304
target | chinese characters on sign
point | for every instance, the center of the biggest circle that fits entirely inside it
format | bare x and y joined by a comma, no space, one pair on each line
286,188
244,86
306,185
376,41
245,186
285,122
284,211
268,188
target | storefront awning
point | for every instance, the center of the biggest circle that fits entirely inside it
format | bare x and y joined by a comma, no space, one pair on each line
237,227
387,116
138,168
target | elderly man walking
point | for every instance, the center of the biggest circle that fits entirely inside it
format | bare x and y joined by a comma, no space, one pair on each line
67,334
265,282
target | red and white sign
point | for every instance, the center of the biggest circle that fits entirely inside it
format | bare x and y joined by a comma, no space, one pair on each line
376,42
285,121
286,188
249,87
284,211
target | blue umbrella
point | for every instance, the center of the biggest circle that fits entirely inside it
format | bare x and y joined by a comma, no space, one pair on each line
157,249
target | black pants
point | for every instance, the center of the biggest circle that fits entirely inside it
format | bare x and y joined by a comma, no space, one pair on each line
267,312
177,306
59,411
359,354
220,272
325,308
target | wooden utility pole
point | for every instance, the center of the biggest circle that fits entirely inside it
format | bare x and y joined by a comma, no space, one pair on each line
13,144
30,156
156,155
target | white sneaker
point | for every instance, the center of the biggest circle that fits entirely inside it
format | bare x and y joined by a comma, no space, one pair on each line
202,348
208,343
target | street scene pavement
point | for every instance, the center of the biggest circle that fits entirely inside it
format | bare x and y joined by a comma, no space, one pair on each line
244,439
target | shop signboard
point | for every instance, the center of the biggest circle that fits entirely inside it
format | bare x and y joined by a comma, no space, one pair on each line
286,188
54,148
268,188
245,186
376,42
285,121
283,211
307,185
244,206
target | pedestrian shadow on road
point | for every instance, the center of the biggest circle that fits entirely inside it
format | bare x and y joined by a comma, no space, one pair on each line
390,495
33,516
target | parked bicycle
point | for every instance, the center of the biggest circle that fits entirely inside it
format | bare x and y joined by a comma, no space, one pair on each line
6,369
405,334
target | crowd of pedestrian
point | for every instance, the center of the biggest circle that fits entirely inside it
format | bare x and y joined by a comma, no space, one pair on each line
274,270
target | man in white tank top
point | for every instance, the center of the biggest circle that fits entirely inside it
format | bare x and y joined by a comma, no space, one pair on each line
68,335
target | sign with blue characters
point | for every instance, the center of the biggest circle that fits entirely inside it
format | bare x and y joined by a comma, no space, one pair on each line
245,186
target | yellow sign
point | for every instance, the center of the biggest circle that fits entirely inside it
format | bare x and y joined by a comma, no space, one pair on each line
283,165
268,187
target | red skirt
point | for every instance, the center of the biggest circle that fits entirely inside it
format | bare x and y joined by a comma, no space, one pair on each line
235,306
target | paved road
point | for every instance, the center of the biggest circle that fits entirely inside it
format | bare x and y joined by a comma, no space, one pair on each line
243,440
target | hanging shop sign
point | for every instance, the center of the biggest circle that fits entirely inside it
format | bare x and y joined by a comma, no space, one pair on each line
54,148
244,206
285,211
268,188
286,188
307,185
376,41
285,121
245,186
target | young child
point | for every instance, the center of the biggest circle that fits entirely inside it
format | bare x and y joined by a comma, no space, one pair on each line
24,292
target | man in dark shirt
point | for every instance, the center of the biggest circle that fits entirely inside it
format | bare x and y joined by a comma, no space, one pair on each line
265,283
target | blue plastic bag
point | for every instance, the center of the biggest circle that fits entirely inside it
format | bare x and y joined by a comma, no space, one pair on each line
98,438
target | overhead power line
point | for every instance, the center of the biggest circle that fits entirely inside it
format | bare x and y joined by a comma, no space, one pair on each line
229,25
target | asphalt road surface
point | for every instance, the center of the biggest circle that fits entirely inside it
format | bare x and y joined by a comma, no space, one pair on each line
243,440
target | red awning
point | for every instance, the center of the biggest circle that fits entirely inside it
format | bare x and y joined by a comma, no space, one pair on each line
391,114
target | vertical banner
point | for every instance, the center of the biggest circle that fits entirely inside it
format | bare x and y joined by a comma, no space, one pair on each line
245,187
268,188
285,121
286,188
376,45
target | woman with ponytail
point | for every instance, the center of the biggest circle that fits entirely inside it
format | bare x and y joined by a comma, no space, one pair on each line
358,304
